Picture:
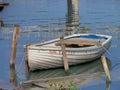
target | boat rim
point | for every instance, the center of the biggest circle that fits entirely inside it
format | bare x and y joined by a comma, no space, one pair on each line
37,45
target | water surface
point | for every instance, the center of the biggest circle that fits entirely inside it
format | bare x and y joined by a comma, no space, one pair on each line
47,18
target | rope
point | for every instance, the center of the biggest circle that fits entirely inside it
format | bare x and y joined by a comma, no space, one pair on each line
109,52
19,67
112,56
115,65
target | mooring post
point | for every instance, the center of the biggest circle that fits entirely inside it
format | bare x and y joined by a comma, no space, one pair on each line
105,66
65,60
14,45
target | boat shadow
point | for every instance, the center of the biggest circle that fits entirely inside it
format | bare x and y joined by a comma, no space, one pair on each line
78,74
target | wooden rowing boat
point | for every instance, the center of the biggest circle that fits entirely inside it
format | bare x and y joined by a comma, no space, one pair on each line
80,48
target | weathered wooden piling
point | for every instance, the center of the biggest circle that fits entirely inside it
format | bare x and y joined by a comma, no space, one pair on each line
65,60
106,69
14,45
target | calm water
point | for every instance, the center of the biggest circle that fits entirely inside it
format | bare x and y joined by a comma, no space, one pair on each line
88,16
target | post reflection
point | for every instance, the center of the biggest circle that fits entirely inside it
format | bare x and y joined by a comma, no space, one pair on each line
73,13
72,22
1,23
13,77
108,85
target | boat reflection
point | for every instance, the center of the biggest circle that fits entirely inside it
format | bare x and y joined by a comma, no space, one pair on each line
79,75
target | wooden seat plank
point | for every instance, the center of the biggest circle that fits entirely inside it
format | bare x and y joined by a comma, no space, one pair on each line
79,42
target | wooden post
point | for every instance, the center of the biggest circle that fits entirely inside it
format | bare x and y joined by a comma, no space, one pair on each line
14,45
66,66
105,66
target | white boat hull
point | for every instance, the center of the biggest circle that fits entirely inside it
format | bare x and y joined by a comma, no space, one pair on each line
49,57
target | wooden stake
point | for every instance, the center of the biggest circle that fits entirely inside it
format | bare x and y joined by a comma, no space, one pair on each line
105,66
66,66
14,45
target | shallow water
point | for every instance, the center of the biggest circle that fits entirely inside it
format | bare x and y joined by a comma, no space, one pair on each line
47,18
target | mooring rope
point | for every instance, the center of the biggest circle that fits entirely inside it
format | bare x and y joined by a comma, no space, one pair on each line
111,56
20,66
110,53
